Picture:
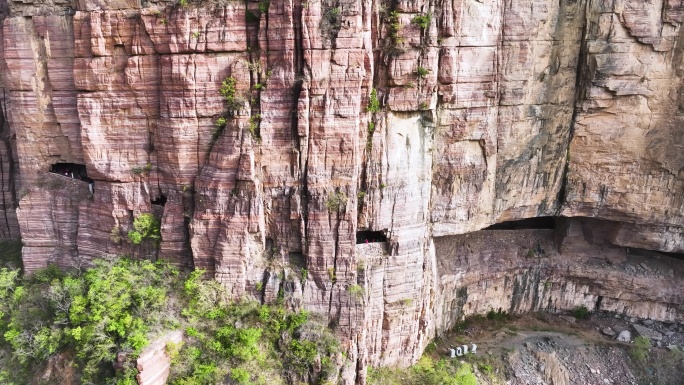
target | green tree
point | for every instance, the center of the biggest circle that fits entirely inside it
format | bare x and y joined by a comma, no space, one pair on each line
145,226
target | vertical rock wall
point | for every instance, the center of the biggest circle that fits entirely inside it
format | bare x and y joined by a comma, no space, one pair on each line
488,111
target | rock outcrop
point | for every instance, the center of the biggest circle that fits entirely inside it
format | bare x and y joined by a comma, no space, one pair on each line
154,363
425,120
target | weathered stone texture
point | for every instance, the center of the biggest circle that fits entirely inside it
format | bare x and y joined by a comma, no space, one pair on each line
626,153
495,111
522,270
154,363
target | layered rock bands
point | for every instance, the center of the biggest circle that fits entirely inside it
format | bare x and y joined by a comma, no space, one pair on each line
426,120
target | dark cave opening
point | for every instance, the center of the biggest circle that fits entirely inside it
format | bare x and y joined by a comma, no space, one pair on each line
673,255
370,237
529,223
161,201
71,170
599,300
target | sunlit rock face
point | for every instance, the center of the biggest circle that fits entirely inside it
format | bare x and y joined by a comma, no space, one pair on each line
487,112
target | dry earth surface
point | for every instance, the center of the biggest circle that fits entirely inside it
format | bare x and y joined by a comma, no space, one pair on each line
555,349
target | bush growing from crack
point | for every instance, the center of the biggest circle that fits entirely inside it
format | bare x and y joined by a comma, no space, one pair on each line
356,291
373,102
336,201
230,96
331,23
264,5
254,126
250,17
393,39
422,72
422,21
140,170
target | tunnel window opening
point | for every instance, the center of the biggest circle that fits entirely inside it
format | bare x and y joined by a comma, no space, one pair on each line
370,237
530,223
161,201
71,170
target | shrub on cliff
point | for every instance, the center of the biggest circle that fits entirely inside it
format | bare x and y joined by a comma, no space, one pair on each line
422,21
230,95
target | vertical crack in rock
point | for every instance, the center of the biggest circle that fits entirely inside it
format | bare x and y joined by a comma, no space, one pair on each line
581,81
301,147
7,175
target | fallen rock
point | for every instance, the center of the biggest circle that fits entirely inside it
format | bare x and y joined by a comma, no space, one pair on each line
608,331
643,331
647,322
554,371
624,336
568,318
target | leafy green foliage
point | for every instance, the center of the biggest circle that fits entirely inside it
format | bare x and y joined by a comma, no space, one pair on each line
336,201
422,21
373,102
393,39
356,291
109,309
248,342
263,6
331,22
10,254
426,372
422,72
230,95
254,126
251,17
145,226
639,351
234,103
140,170
580,312
120,306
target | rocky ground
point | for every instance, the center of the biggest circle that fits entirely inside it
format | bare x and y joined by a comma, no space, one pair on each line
546,349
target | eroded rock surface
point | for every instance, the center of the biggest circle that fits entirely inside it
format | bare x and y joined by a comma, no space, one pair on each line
487,111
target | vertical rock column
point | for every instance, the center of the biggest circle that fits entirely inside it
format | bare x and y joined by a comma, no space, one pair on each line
118,105
336,57
626,157
40,102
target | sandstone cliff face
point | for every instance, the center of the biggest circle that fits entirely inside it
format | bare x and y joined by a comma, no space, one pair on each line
490,111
